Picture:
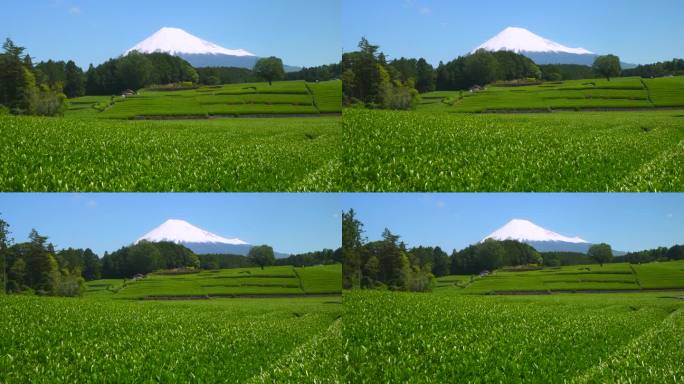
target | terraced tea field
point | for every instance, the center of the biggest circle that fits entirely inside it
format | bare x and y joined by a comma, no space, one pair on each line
266,154
281,98
576,95
577,278
436,337
271,281
439,151
59,340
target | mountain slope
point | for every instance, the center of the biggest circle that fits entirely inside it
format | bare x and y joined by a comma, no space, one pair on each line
525,230
196,239
541,50
198,52
542,239
176,41
521,40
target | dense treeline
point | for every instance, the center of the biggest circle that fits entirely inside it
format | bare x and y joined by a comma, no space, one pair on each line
558,72
674,67
145,257
233,75
492,254
326,256
385,263
676,252
221,261
137,70
34,266
26,89
483,67
319,73
225,75
557,259
367,78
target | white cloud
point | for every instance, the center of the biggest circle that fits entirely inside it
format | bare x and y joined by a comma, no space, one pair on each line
419,6
75,10
669,215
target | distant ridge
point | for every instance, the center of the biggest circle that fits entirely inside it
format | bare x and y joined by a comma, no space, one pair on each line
198,52
198,240
542,239
540,49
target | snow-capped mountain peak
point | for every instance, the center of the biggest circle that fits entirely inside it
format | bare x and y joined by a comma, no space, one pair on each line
176,41
525,230
521,40
180,231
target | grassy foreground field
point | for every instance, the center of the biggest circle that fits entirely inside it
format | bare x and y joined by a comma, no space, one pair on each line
570,151
60,340
110,336
443,338
269,154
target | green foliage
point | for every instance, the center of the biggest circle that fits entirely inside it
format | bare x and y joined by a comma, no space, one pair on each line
137,70
483,67
325,256
217,155
352,241
675,67
269,69
281,98
368,78
74,83
427,338
261,255
236,282
416,151
557,72
384,263
321,278
21,92
316,74
102,340
607,66
145,257
573,95
600,253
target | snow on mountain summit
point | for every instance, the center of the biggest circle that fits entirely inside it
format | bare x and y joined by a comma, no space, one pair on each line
176,41
521,40
180,231
525,230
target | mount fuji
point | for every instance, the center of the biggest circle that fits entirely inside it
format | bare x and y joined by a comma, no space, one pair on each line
196,51
542,239
196,239
538,48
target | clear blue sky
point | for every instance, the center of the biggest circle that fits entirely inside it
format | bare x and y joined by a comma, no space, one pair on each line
636,30
291,223
301,32
628,222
